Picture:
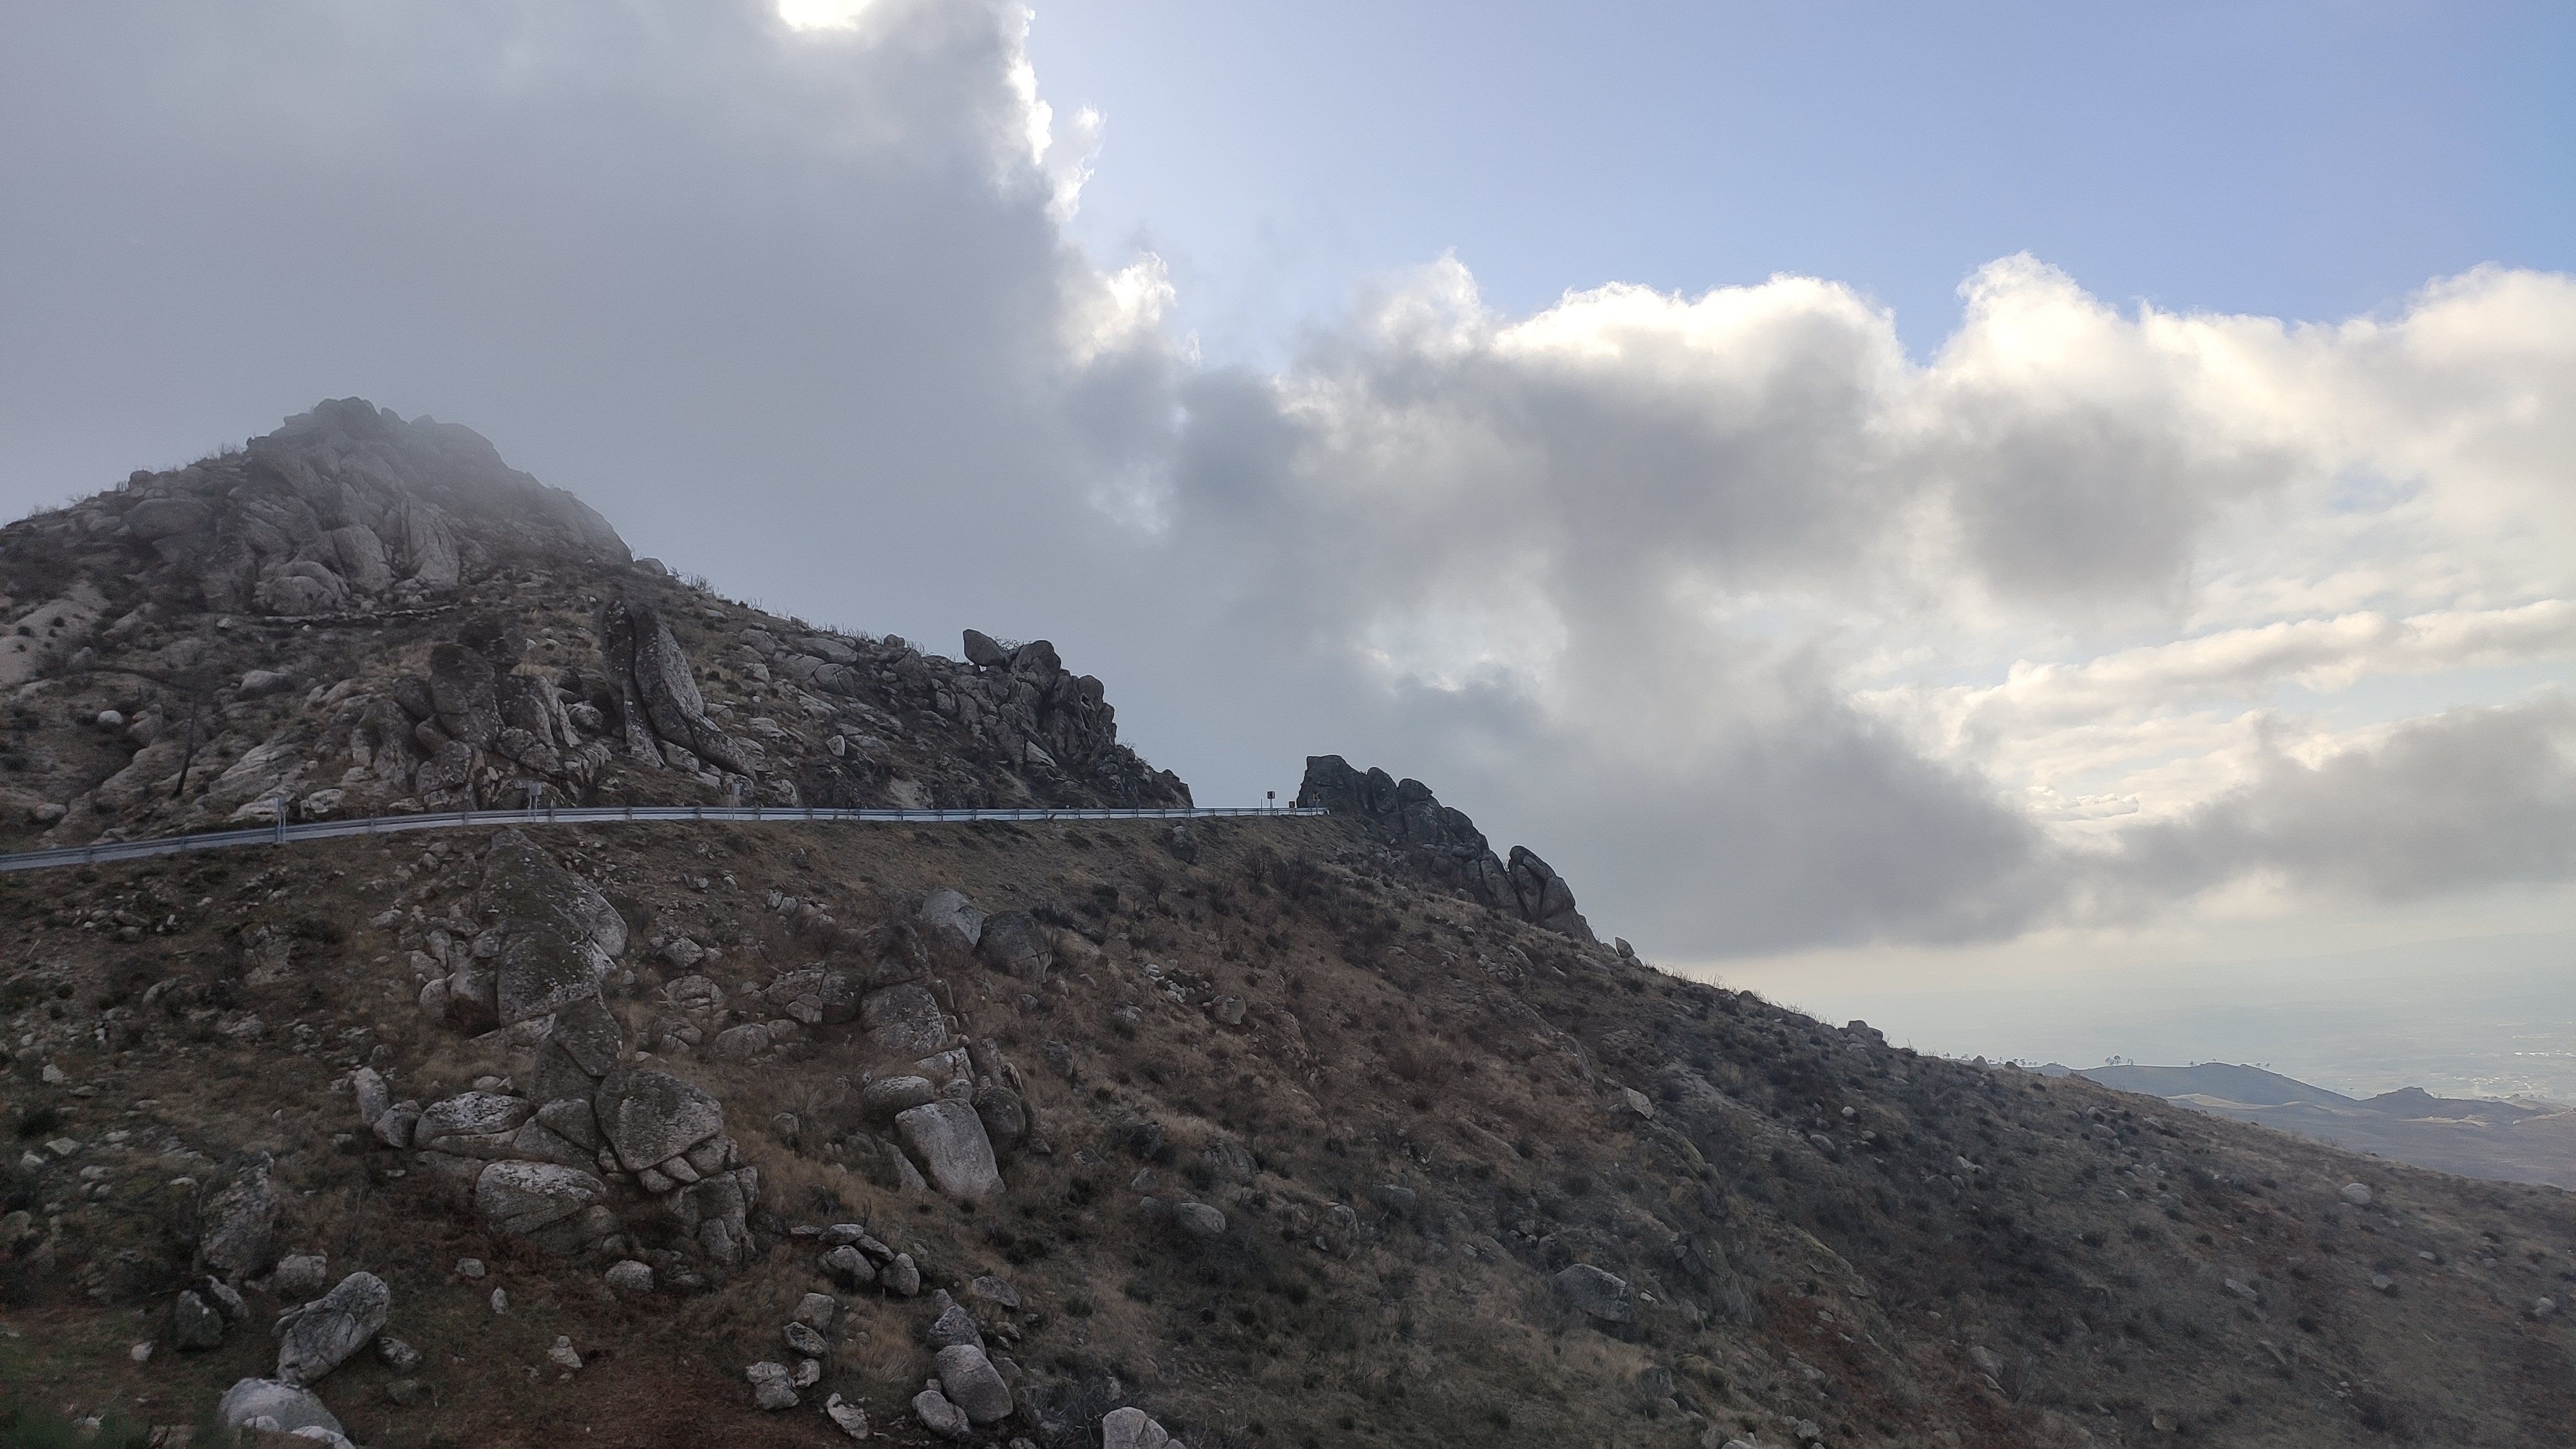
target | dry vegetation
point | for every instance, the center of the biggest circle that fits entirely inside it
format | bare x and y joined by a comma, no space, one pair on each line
1422,1114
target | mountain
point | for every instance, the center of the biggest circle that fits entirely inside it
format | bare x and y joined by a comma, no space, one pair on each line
2516,1140
1289,1130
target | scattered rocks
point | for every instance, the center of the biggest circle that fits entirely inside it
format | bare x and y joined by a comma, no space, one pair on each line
806,1341
399,1356
901,1277
563,1355
2357,1194
470,1269
630,1278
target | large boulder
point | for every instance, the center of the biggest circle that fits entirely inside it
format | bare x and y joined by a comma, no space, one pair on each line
558,936
971,1382
948,1140
982,650
658,694
1598,1294
1131,1428
883,1097
324,1334
291,1406
905,1020
1014,944
472,1124
237,1218
945,911
520,1197
651,1117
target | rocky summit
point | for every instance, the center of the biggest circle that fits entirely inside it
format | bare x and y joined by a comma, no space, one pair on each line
1337,1129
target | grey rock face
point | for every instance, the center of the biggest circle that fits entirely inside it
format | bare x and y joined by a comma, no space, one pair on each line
773,1386
1442,843
658,693
1598,1294
904,1020
1014,944
237,1218
327,1333
291,1406
650,1117
817,1310
805,1340
587,1031
628,1276
901,1277
558,936
948,1140
194,1324
973,1384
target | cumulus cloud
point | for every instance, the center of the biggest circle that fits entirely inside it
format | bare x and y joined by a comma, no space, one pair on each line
1768,634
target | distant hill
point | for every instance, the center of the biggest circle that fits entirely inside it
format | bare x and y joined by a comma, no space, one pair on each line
2510,1140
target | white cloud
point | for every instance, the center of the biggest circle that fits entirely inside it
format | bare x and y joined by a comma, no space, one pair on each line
1768,635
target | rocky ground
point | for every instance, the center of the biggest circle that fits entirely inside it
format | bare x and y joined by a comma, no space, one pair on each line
1308,1131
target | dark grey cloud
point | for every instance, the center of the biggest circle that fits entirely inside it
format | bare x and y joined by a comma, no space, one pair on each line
2467,799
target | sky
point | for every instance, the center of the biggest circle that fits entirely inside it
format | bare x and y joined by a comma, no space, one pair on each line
1895,504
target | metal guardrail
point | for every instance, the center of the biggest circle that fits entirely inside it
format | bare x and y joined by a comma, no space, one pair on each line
283,833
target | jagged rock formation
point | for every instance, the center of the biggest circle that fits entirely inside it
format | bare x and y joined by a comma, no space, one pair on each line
362,615
1443,843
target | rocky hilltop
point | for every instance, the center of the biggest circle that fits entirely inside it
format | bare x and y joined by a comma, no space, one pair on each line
361,615
1293,1131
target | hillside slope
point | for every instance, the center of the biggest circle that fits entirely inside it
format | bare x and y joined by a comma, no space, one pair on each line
1289,1131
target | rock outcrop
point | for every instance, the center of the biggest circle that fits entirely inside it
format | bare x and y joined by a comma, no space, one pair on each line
1442,843
350,508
